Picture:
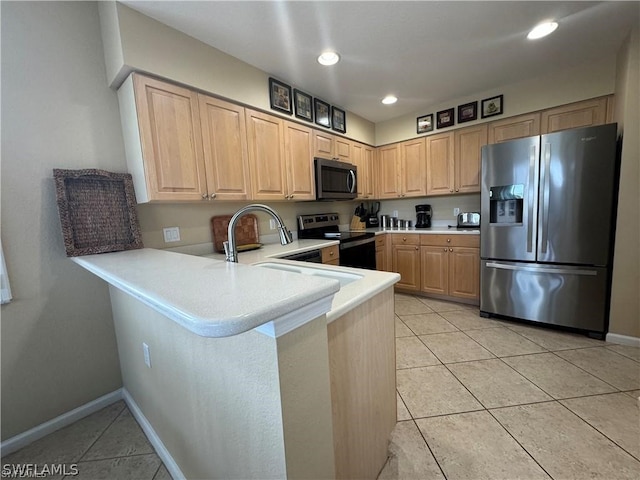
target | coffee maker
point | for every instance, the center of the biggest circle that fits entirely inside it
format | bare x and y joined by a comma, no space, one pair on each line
423,216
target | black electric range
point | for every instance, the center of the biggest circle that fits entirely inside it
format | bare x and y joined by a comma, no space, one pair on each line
357,249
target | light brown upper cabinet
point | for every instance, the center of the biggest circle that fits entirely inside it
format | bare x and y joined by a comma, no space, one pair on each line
298,149
343,150
323,144
279,158
402,169
413,169
224,139
163,142
440,168
514,127
596,111
388,163
265,135
363,158
468,157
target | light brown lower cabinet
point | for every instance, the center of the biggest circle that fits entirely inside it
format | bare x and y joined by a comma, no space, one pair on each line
440,265
331,255
362,369
405,253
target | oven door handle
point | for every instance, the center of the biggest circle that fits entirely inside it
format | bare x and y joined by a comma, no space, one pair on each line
356,243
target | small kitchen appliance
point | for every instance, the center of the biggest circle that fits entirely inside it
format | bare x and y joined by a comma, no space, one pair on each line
423,216
468,220
335,180
372,219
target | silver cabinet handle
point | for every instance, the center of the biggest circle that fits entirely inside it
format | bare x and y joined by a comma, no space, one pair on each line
212,196
545,196
532,172
205,196
561,271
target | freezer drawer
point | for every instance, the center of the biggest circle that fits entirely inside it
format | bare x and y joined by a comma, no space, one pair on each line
560,295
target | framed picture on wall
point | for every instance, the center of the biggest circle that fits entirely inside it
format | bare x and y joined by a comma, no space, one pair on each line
446,118
322,111
338,120
303,104
424,123
467,112
280,96
492,106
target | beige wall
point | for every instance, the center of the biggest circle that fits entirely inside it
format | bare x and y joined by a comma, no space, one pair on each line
150,46
625,300
544,91
58,342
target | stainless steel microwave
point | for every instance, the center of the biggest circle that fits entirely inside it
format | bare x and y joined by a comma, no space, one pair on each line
335,180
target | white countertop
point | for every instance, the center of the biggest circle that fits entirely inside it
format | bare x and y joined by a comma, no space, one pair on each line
426,231
208,297
275,250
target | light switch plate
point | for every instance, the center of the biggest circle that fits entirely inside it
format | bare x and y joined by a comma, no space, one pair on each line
171,234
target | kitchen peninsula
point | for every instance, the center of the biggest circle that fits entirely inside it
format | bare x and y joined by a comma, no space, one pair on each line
236,372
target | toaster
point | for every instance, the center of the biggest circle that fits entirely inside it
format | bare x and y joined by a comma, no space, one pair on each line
469,220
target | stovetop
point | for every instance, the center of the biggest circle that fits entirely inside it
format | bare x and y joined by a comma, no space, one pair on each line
326,225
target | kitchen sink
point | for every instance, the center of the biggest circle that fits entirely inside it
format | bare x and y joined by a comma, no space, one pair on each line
343,277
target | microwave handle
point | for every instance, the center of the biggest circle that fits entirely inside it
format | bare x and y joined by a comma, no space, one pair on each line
352,176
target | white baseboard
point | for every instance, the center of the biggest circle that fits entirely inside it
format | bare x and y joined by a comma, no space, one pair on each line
14,444
623,339
154,439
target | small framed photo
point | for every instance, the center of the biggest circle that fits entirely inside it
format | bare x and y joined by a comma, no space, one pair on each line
467,112
280,96
322,110
338,120
425,123
303,104
492,106
446,118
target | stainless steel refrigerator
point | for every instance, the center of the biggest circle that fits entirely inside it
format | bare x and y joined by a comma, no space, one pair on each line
547,227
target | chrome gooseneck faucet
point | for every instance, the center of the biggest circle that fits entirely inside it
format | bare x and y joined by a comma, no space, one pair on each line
230,247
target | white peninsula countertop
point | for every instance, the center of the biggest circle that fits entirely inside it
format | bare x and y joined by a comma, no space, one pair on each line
214,298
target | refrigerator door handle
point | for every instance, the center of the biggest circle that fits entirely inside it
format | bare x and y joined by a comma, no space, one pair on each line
560,271
532,193
546,153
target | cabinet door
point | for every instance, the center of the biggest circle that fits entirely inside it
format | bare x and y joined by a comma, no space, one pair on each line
323,144
413,168
171,140
265,135
514,127
362,157
434,266
368,189
574,115
406,262
343,149
298,142
467,154
388,171
440,171
224,139
464,272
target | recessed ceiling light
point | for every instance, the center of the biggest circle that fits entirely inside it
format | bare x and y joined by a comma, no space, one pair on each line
389,99
542,30
328,58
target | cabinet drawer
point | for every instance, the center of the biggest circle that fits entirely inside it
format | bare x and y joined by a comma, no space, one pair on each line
330,253
405,239
381,240
450,240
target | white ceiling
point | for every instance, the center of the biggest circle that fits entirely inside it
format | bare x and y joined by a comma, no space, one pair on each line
423,52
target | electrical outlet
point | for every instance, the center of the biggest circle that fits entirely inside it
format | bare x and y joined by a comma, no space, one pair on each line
395,213
456,211
272,224
171,234
147,354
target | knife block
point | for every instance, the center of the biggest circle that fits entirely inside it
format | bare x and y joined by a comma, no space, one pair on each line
357,224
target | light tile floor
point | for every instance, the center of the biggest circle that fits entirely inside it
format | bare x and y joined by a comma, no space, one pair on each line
490,399
477,399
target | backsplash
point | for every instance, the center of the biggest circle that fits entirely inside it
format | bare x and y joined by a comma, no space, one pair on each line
193,219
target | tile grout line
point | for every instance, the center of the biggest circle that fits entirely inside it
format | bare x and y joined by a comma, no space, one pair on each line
587,372
102,433
429,448
601,433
